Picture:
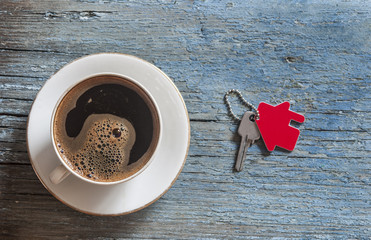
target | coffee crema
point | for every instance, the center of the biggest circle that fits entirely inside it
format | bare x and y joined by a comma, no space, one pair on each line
106,128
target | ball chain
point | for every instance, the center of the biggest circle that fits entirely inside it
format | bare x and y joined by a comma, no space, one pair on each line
242,99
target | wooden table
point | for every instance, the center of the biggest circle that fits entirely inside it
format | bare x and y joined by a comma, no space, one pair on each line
315,54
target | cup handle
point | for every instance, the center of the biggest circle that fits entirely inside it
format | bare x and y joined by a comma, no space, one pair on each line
59,174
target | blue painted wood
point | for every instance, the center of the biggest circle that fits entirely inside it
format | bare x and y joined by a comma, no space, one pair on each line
315,54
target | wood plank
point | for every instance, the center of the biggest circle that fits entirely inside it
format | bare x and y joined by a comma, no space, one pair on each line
250,205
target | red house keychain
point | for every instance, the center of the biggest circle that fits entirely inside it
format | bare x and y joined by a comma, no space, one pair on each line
273,123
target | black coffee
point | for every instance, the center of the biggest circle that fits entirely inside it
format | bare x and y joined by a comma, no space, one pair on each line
106,128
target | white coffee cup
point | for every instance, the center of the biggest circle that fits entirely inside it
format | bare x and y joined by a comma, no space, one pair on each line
64,169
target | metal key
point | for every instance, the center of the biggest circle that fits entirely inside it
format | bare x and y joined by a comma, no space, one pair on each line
249,132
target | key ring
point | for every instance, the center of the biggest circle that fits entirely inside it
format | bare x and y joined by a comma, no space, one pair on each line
243,100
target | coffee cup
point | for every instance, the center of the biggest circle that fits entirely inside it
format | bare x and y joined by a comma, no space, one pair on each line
105,130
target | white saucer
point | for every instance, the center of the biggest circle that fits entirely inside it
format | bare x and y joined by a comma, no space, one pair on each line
138,192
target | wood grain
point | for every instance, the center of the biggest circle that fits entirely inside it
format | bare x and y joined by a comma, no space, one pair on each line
315,54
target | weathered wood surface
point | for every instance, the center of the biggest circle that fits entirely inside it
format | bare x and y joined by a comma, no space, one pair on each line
314,53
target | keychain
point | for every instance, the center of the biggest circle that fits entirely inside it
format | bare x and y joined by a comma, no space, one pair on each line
272,123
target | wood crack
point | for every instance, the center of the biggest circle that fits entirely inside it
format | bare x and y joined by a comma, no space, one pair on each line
20,76
19,99
14,164
31,50
14,114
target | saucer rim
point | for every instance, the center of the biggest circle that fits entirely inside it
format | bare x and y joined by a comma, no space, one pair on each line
155,199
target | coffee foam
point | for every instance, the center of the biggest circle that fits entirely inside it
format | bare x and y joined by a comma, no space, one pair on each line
101,151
